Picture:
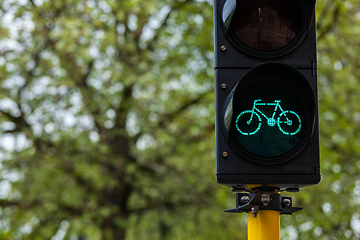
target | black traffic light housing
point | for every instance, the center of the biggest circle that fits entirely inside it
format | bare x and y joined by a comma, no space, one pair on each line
266,93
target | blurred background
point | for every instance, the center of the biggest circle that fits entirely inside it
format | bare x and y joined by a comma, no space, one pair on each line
107,124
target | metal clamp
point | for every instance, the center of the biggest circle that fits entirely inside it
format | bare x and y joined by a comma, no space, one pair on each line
254,202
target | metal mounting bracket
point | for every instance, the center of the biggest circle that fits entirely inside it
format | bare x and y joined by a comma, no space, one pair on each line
263,200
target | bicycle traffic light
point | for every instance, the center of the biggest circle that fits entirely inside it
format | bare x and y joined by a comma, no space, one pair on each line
266,93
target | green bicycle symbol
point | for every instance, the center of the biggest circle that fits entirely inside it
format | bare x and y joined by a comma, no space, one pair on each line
284,119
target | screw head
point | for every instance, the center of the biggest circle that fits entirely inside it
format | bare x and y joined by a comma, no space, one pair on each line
225,154
223,48
287,202
265,198
255,211
245,199
223,86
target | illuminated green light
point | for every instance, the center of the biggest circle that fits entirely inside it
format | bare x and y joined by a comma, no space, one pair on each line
271,122
245,114
284,119
289,122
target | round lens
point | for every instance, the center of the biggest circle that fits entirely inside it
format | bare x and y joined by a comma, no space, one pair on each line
268,120
270,115
266,25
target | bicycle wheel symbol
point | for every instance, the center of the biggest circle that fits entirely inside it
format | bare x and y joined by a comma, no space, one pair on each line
247,124
289,123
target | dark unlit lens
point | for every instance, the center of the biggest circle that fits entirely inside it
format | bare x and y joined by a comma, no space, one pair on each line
266,25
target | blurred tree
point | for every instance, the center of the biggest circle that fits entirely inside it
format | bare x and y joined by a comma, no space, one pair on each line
107,122
331,209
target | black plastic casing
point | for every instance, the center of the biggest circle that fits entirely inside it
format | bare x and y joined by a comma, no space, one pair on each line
231,65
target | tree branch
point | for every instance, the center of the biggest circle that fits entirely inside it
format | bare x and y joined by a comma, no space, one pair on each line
324,30
175,7
170,116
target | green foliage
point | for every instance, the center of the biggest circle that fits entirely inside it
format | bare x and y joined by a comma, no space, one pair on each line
107,123
331,209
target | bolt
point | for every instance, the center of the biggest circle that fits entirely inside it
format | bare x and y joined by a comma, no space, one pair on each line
294,188
287,201
223,86
255,211
223,48
265,198
245,199
225,154
238,188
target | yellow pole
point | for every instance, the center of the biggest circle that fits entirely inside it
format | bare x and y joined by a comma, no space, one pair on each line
265,226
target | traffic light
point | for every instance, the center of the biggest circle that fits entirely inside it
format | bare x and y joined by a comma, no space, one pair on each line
266,94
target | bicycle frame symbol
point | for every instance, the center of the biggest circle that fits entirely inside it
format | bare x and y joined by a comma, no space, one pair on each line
284,119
